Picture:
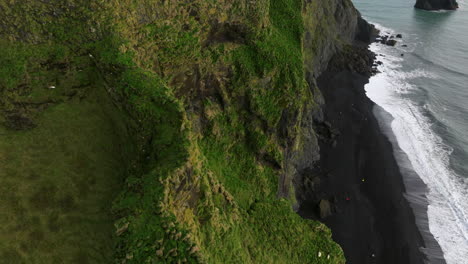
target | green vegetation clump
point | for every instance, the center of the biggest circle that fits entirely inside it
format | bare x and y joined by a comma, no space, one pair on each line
147,132
146,233
276,53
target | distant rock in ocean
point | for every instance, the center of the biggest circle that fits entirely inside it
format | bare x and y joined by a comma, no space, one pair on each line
436,4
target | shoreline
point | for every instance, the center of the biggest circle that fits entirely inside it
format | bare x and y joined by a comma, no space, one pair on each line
415,188
359,179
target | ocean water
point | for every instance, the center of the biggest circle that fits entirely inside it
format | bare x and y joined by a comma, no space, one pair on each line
426,93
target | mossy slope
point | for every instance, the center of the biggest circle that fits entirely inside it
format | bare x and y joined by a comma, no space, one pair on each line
57,181
199,92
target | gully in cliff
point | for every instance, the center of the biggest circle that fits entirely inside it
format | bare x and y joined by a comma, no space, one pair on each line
436,4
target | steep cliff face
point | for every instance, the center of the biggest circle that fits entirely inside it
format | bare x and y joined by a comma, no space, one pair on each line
329,27
206,108
436,4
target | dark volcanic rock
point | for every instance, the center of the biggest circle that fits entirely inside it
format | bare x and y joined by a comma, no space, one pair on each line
391,42
366,32
388,40
436,4
351,28
399,36
355,59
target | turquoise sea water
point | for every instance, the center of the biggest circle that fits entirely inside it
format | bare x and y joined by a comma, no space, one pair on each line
426,93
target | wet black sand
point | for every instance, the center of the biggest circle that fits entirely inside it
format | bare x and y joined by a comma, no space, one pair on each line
371,219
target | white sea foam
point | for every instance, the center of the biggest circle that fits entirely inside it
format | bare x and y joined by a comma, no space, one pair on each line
447,192
383,29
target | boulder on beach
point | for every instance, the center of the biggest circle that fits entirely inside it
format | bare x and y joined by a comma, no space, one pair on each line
325,208
391,42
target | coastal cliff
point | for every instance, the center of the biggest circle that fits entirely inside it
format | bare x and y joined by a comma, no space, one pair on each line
436,4
165,131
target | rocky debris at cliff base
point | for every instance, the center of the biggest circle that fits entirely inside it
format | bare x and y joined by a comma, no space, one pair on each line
326,133
374,69
354,59
388,40
391,42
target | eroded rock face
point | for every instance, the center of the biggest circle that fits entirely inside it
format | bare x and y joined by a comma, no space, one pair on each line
436,4
325,22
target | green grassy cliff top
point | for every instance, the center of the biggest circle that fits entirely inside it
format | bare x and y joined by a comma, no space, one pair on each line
153,131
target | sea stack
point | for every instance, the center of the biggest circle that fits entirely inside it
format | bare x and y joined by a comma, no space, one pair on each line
436,4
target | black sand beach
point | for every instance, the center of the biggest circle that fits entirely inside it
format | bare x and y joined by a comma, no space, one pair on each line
359,176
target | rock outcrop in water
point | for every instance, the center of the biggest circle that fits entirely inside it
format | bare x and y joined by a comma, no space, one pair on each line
436,4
